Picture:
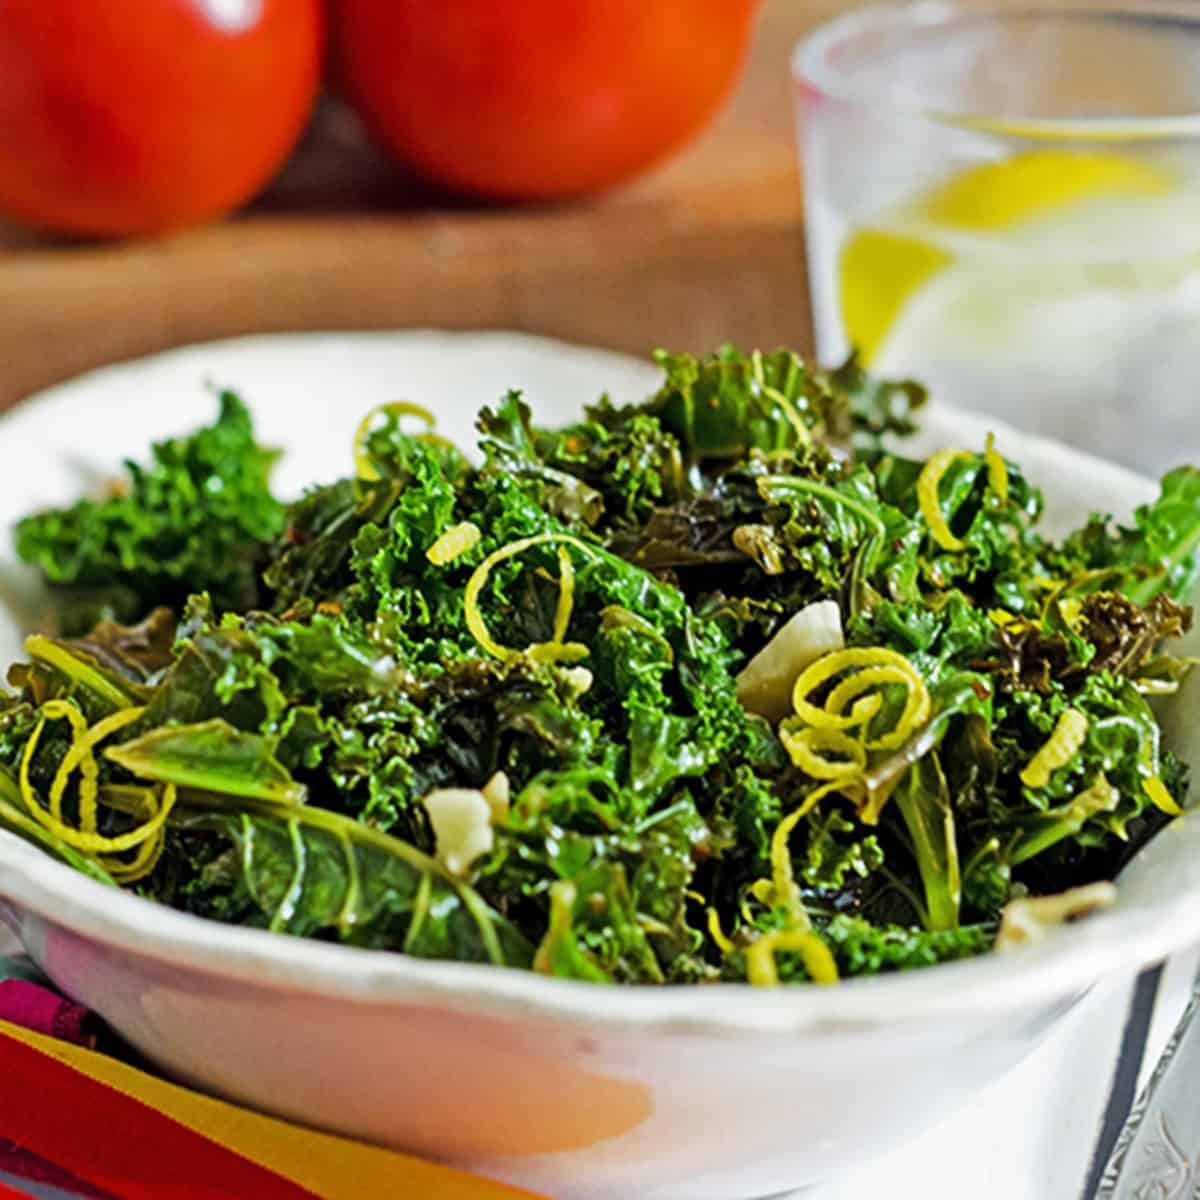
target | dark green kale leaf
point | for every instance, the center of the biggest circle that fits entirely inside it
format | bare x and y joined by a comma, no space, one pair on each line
312,557
212,757
509,444
1159,554
1107,633
726,404
195,518
836,852
1003,557
878,407
1162,553
309,872
861,948
139,653
626,456
594,931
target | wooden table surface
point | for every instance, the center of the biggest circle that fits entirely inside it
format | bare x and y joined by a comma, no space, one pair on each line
708,248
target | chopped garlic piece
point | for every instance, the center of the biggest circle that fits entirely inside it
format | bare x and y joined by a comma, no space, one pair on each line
462,826
580,679
765,684
496,792
1030,918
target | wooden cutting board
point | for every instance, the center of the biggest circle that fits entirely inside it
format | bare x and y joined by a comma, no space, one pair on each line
707,249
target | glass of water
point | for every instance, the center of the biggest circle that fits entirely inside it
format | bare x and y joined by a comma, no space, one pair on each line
1003,201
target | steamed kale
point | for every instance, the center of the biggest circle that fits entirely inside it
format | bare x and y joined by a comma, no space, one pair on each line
194,519
493,713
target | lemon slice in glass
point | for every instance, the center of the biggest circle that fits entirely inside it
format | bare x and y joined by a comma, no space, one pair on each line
883,268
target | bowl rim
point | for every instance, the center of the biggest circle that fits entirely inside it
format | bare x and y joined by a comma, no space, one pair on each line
1066,962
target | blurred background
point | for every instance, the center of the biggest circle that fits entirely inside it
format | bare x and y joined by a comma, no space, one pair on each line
704,244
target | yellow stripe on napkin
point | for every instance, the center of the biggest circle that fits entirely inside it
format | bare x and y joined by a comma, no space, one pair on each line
330,1166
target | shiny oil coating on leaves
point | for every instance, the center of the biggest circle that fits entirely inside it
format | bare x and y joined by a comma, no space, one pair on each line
945,710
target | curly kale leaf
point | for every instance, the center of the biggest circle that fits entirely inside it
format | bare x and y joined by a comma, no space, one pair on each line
332,530
1107,632
509,443
1160,553
1002,555
726,404
1122,744
836,852
195,518
878,407
312,557
862,948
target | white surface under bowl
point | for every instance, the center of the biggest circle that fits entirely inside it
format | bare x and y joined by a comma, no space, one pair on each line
577,1091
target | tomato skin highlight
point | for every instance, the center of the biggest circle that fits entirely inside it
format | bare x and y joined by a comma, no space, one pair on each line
537,99
140,116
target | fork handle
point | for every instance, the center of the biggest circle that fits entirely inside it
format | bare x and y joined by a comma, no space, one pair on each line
1157,1154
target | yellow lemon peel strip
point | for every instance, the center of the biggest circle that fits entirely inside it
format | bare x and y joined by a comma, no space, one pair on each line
997,470
1161,798
80,756
364,468
917,703
875,667
927,497
553,651
717,933
1070,608
566,596
762,971
454,543
805,744
151,850
784,887
781,889
62,710
1064,743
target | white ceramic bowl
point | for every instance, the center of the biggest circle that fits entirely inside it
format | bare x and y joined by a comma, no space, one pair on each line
577,1091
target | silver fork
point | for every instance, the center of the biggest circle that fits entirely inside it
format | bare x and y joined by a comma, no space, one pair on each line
1157,1154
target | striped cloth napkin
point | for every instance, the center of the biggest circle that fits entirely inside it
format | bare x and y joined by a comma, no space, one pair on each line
89,1124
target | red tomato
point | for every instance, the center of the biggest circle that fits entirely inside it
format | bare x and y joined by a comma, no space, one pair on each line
535,99
129,116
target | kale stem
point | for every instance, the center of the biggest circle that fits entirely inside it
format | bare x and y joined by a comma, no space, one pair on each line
662,815
930,823
908,894
771,485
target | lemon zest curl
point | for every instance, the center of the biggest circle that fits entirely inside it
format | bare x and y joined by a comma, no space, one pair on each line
147,838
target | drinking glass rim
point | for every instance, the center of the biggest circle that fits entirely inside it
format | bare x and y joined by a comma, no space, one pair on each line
810,66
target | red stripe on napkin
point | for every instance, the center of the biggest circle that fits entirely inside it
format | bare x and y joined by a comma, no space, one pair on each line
117,1143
